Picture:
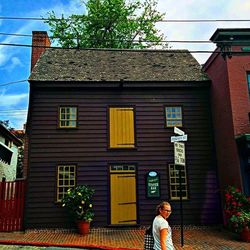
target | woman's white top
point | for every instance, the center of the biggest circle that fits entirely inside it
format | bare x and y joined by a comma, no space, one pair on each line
160,223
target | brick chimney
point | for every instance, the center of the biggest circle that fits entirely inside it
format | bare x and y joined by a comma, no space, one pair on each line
40,41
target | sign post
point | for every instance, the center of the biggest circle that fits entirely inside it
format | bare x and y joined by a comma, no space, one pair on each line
181,208
180,160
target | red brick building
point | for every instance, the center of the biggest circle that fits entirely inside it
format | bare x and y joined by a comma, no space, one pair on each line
229,69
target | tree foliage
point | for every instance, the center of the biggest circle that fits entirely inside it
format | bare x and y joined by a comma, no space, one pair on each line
20,159
109,24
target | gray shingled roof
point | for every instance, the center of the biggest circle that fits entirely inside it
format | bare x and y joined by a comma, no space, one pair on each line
115,65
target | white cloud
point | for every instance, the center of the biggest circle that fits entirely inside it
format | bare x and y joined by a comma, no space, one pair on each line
8,52
0,12
10,108
2,57
19,123
10,57
15,61
11,100
66,9
17,119
202,9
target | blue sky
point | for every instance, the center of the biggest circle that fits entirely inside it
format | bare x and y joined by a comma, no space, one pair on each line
15,61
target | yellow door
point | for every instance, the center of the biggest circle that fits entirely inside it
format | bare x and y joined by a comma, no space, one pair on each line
123,195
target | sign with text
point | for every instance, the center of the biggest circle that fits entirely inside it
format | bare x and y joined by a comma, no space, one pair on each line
178,131
179,138
179,153
153,185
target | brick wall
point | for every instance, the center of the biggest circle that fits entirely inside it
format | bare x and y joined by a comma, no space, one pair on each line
238,66
40,41
226,149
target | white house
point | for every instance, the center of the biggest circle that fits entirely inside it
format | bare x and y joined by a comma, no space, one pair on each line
9,145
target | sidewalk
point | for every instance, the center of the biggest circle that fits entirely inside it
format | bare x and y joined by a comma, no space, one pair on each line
122,239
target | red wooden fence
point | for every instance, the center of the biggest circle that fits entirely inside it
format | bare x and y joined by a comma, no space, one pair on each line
11,205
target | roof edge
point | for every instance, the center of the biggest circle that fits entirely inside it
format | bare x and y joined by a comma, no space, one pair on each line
120,84
10,135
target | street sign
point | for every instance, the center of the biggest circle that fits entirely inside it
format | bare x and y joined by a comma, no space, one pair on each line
178,131
179,138
179,153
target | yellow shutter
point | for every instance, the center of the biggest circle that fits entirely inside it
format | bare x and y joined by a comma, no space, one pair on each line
121,127
123,202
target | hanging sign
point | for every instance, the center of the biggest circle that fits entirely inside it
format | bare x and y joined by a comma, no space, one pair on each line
153,184
178,131
179,153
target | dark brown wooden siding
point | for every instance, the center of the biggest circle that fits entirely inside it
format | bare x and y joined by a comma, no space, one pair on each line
87,147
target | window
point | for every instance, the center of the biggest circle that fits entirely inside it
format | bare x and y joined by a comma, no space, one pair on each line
8,143
5,154
66,178
175,183
122,168
121,128
68,117
173,116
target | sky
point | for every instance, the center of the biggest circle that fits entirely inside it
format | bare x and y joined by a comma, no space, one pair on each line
15,60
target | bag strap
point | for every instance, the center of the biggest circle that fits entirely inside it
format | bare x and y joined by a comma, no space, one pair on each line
149,230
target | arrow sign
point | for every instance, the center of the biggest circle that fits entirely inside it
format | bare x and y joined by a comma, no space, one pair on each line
179,138
178,131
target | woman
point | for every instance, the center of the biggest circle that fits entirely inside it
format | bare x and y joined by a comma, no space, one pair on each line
161,230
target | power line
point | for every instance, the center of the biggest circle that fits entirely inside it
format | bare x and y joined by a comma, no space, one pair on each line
23,45
11,110
146,41
14,115
118,49
14,34
8,83
162,41
27,18
164,20
202,20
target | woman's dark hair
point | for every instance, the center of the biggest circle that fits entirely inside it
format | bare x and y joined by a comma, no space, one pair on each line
161,206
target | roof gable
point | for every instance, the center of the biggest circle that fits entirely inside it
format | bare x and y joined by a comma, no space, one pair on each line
5,133
116,65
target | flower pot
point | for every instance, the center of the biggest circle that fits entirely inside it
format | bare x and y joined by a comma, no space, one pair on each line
83,227
245,234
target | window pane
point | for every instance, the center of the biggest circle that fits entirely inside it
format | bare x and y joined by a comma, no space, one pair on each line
65,179
68,117
73,124
120,168
173,116
174,182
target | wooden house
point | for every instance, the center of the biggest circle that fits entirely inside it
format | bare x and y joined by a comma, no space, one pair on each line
9,147
105,117
229,69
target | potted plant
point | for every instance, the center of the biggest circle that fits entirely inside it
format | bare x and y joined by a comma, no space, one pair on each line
237,212
78,203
